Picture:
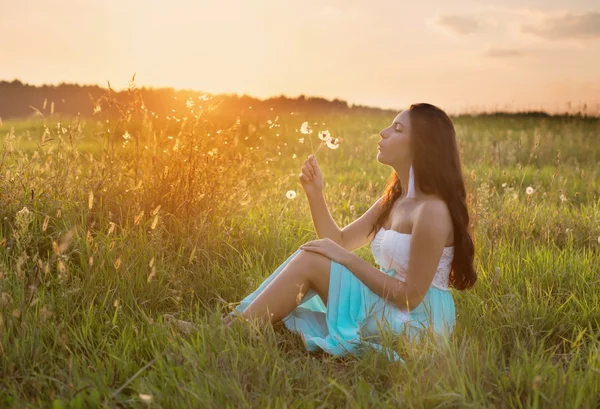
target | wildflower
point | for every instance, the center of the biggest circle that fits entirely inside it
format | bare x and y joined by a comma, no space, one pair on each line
290,194
154,222
189,103
324,136
529,190
333,143
137,218
24,212
305,129
152,273
127,137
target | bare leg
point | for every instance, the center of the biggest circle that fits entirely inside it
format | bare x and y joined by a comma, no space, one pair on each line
306,270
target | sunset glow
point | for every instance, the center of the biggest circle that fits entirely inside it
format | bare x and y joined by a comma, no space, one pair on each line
460,55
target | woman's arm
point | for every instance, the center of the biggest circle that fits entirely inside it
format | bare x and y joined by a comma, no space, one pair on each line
322,219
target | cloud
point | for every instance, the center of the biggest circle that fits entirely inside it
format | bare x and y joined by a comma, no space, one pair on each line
462,25
494,52
568,26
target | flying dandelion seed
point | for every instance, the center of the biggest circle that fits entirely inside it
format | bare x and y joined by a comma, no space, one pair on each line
324,136
301,140
290,194
529,190
333,143
305,129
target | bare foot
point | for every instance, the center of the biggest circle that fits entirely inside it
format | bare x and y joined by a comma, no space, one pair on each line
180,325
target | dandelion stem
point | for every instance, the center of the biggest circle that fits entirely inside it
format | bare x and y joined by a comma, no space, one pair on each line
321,144
311,144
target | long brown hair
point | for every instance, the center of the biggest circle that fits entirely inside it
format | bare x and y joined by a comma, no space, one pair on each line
437,170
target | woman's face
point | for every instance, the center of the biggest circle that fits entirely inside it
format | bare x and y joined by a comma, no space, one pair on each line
394,146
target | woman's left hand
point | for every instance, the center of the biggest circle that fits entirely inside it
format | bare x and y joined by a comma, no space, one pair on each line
328,248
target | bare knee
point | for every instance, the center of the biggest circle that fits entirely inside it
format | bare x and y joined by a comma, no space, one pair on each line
315,263
316,271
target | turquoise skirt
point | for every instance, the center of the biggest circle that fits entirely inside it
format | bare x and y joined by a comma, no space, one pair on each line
355,316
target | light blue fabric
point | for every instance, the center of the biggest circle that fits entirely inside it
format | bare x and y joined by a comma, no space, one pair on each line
355,316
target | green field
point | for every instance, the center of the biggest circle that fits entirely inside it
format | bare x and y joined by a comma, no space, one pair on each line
191,216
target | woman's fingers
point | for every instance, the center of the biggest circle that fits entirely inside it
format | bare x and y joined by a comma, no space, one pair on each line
310,167
312,163
305,177
307,172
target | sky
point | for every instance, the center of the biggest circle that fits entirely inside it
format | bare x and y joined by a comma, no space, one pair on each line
461,55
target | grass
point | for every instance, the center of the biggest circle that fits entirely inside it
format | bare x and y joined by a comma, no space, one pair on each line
115,236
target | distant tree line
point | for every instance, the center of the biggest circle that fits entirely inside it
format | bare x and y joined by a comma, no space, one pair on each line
19,100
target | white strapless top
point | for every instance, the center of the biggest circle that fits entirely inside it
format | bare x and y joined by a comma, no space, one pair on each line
391,250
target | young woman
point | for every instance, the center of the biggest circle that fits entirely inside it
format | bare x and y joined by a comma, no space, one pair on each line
417,230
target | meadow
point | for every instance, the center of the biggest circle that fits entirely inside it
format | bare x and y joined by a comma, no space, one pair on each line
109,223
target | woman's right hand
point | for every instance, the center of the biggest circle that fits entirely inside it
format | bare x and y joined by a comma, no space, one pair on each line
311,177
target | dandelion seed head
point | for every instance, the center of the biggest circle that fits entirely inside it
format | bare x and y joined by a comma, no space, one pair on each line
324,135
291,194
305,128
529,190
333,143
